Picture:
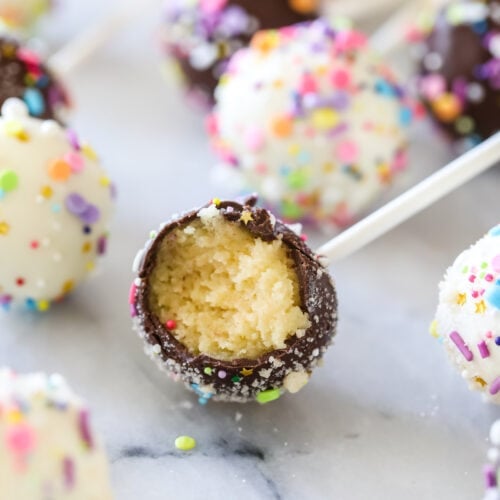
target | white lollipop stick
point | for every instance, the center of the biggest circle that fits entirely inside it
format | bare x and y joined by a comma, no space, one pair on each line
76,52
413,201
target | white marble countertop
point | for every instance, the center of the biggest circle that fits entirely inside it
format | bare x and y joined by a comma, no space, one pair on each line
385,418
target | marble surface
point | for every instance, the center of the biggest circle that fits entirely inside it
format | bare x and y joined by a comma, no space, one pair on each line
385,418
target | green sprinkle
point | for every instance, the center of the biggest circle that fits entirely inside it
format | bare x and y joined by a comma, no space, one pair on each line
185,443
298,179
8,180
268,396
207,370
235,379
153,234
291,210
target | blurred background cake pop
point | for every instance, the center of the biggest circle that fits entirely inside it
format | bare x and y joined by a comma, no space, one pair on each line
25,76
468,315
55,207
47,446
313,120
200,36
22,14
459,58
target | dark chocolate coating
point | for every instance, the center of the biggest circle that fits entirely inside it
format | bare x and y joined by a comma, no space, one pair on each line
21,74
318,300
267,14
465,55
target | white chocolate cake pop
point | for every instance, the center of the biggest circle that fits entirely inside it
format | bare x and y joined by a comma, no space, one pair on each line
313,120
22,14
468,315
47,447
55,206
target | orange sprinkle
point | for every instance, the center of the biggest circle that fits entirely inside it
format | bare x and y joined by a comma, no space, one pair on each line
265,41
304,6
59,170
447,107
282,126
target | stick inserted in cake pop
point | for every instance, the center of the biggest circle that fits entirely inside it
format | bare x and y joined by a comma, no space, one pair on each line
413,201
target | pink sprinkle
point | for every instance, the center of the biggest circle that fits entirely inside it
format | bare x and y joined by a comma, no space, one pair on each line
308,84
303,237
261,168
472,278
496,263
254,139
432,86
211,125
28,56
489,335
21,439
475,294
495,386
212,6
75,161
340,78
84,427
489,277
483,349
171,324
132,292
459,342
69,473
347,152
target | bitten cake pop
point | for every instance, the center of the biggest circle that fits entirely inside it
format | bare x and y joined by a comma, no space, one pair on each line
55,207
313,120
23,75
22,14
468,315
460,70
232,302
201,35
47,447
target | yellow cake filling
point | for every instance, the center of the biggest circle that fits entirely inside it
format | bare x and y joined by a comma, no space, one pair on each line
224,292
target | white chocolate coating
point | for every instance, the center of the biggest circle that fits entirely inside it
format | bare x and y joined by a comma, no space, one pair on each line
55,205
313,121
47,449
468,315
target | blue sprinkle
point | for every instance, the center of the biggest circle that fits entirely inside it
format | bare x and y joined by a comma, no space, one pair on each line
43,82
481,27
497,340
2,194
493,296
34,100
56,208
6,306
304,157
284,170
31,304
405,116
385,88
495,231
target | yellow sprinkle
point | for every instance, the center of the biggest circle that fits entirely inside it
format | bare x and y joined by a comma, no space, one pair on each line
14,417
15,129
90,266
325,118
216,201
47,192
480,307
89,152
434,329
68,286
461,299
293,149
4,228
185,443
480,381
104,181
86,247
246,372
246,217
43,305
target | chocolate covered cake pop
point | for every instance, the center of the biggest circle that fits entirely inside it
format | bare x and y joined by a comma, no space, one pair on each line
55,207
22,14
233,303
201,35
313,120
47,447
460,70
468,315
23,75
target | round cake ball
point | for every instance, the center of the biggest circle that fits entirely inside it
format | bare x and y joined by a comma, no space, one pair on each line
201,35
313,120
468,315
23,75
47,447
55,206
460,70
22,14
232,302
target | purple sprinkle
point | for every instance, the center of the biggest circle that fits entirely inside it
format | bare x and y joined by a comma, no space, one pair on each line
69,473
90,215
459,342
76,204
133,310
73,139
490,477
84,426
102,245
234,21
495,386
483,349
222,374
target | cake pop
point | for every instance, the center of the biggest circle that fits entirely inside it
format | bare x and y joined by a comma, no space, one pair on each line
233,303
313,120
47,447
459,80
468,315
55,207
201,35
23,75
